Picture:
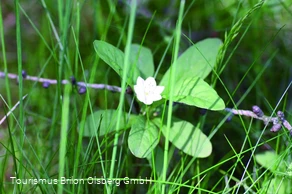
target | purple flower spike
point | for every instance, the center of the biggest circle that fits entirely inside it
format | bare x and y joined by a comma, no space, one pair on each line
276,127
256,110
24,75
281,116
46,84
82,90
287,125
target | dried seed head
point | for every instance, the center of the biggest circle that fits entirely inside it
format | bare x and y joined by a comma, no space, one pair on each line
276,127
256,110
46,84
82,90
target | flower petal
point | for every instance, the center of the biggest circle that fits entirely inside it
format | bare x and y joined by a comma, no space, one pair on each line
138,89
142,98
159,89
148,101
140,81
150,81
156,97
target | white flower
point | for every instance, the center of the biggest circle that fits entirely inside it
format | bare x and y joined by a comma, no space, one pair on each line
147,91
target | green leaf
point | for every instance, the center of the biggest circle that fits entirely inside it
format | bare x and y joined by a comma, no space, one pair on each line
114,57
143,137
192,67
142,58
198,60
195,92
157,159
270,160
278,185
104,121
187,138
273,162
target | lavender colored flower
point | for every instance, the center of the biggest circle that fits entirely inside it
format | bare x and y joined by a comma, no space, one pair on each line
82,90
46,84
24,74
281,116
276,127
256,110
229,118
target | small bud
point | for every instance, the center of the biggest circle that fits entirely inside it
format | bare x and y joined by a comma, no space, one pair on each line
73,80
82,90
256,110
287,125
276,127
203,111
229,118
275,121
155,114
129,90
46,84
24,75
281,116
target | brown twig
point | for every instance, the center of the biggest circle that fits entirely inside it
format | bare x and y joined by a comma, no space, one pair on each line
47,82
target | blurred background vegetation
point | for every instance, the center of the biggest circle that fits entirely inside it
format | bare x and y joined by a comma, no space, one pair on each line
262,47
